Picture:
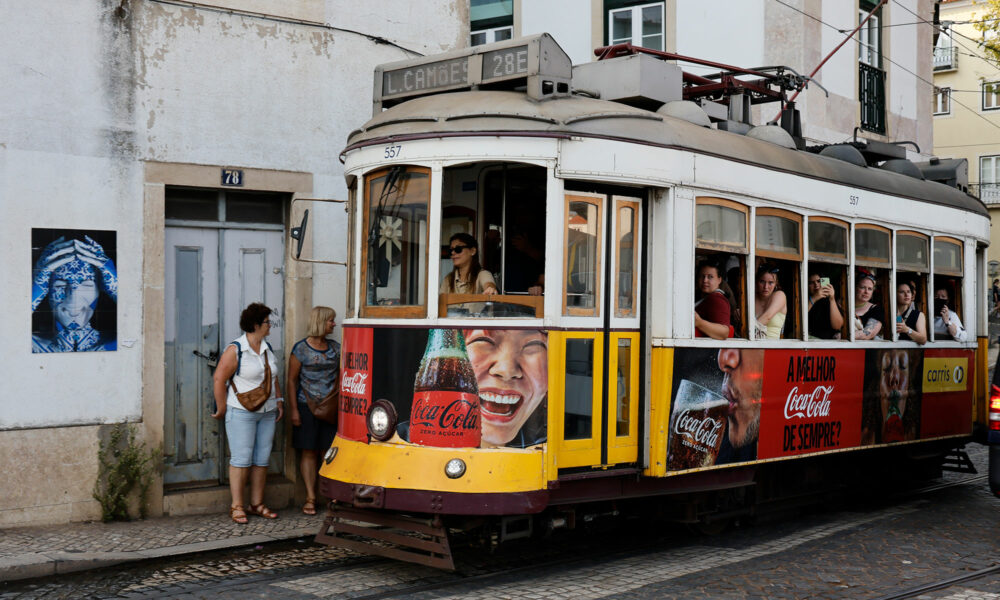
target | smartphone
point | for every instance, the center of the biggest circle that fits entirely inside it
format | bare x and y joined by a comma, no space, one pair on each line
899,319
824,281
938,305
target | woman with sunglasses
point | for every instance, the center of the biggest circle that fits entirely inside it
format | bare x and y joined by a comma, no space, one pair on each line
771,305
468,276
868,316
910,322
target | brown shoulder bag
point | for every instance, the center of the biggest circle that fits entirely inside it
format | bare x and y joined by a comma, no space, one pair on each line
324,409
255,398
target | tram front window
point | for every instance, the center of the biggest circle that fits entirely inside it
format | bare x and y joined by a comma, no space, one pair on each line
500,211
395,253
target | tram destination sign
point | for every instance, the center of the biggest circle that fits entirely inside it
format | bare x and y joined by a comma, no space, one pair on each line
535,63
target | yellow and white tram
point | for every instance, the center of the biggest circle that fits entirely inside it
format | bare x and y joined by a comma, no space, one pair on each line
593,196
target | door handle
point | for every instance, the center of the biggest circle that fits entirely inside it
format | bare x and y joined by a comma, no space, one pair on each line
212,358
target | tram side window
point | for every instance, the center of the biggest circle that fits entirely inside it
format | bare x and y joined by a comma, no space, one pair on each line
582,259
912,268
777,275
492,223
721,236
873,257
947,309
827,283
395,253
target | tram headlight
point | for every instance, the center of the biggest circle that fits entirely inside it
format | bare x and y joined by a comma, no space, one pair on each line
381,420
328,457
455,468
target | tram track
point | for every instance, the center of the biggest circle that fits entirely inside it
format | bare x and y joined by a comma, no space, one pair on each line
940,585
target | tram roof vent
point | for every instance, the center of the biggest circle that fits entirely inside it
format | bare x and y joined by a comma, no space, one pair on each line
846,153
638,80
953,172
773,134
903,167
685,110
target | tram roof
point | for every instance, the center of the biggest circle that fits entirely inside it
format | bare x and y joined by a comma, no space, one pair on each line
499,112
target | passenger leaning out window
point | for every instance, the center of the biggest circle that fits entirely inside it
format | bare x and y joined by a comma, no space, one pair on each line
947,325
712,310
868,316
825,318
910,322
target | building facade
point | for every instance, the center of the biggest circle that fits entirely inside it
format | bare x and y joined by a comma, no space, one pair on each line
879,82
152,155
966,107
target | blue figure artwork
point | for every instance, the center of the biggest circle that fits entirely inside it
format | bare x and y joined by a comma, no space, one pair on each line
72,272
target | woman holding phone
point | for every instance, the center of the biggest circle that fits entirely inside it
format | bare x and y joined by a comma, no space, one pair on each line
825,318
947,325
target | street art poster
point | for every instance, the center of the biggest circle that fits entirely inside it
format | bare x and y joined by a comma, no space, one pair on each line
742,404
74,291
449,387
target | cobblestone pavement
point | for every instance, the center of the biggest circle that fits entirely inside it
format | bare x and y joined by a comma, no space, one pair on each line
859,552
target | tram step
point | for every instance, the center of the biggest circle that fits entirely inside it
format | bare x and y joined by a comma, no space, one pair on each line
958,462
411,539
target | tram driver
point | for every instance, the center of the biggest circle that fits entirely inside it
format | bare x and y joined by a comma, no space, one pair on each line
712,312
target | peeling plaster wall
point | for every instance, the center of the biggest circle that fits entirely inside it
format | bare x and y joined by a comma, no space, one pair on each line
96,91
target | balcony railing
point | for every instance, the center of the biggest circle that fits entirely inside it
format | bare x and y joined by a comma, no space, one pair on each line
946,58
872,96
989,193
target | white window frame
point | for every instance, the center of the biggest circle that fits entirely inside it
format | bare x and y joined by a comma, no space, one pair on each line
491,35
994,95
868,42
636,16
942,101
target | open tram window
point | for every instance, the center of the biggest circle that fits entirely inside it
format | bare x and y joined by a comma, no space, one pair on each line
873,259
946,312
827,284
777,274
395,252
721,234
493,223
912,269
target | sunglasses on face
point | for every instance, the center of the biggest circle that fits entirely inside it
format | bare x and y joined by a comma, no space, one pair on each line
458,249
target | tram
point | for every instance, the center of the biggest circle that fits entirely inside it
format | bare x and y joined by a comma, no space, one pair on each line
578,379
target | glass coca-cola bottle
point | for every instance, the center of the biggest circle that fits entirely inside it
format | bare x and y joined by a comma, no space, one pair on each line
445,409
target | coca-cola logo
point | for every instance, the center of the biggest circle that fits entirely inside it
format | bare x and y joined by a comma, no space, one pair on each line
460,414
808,405
356,384
704,430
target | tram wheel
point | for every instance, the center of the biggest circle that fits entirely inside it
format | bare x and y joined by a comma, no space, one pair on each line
711,528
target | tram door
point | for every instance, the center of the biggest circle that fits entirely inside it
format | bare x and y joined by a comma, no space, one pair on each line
595,370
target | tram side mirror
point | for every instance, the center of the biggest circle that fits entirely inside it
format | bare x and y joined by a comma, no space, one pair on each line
299,233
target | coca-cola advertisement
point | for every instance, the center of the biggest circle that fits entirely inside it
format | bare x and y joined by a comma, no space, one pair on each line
813,399
464,387
715,407
355,383
891,408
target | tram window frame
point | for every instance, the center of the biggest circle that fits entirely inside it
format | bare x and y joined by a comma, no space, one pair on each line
352,203
623,203
596,200
823,263
951,279
882,269
789,264
720,251
405,311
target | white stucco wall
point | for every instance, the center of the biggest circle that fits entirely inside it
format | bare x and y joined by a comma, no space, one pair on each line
569,22
90,94
66,161
721,30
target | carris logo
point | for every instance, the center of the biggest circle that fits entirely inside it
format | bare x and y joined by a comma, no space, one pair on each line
356,384
808,405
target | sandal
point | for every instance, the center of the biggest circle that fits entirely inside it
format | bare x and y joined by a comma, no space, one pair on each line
261,511
309,508
238,515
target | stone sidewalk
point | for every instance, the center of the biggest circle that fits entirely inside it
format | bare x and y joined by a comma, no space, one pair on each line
28,552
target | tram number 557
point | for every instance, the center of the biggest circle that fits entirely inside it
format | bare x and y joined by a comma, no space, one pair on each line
393,151
854,200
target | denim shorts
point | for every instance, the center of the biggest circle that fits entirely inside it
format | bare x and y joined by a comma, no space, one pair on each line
250,436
